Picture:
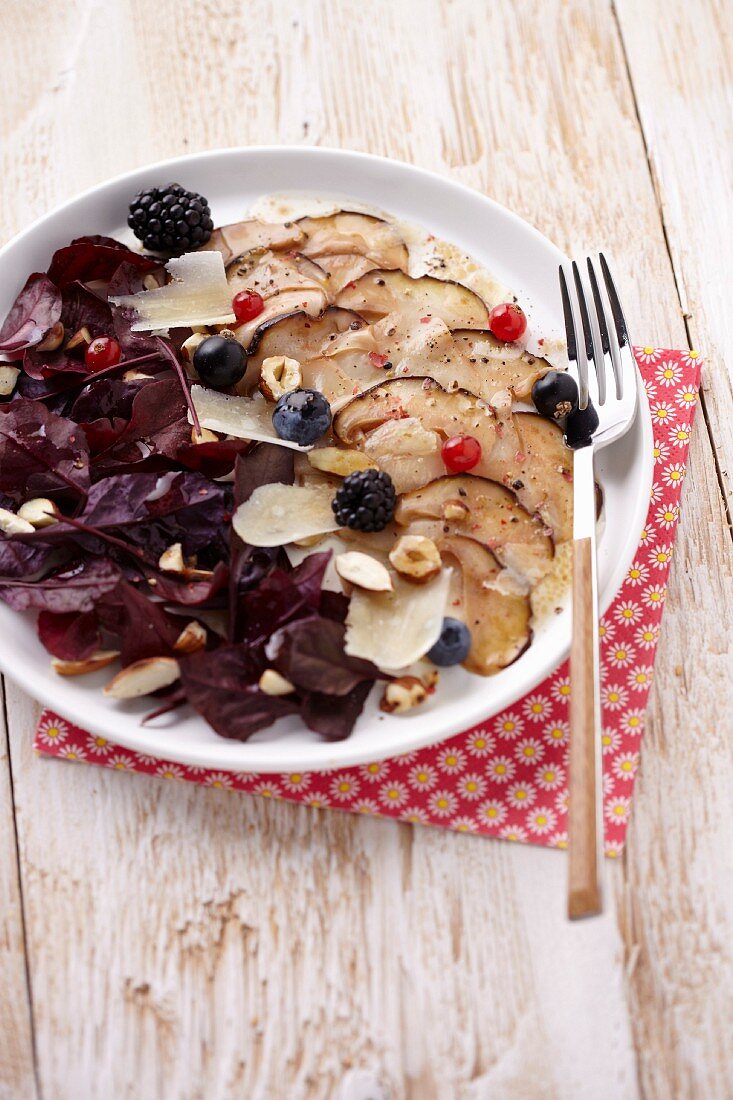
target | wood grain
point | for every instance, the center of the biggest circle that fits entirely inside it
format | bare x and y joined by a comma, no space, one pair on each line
188,943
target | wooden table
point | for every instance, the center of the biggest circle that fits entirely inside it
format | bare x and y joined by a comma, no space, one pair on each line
158,941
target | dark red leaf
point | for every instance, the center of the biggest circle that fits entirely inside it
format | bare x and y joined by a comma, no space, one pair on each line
147,630
72,636
83,309
91,258
36,310
75,589
189,593
19,560
40,452
334,716
281,597
310,653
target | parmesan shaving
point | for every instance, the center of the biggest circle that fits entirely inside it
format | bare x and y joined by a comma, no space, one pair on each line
198,295
394,629
242,417
278,514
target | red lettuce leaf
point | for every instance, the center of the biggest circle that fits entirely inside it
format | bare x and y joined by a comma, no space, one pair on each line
41,452
334,716
71,636
94,258
36,310
193,592
146,628
76,589
81,308
221,685
19,561
281,597
310,653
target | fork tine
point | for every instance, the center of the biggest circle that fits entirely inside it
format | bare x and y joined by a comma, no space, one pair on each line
603,325
576,349
593,347
618,332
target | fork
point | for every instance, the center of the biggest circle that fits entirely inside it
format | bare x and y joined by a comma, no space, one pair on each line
597,335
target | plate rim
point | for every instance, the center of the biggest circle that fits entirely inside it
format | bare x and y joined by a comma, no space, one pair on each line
310,756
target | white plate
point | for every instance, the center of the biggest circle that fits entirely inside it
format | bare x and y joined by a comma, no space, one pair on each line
518,256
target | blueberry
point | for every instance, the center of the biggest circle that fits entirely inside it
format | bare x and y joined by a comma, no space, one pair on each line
219,362
453,644
580,425
555,395
302,416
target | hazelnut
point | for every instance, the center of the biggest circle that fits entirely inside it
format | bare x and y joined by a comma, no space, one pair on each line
272,683
455,510
279,375
53,339
191,638
82,336
403,694
416,558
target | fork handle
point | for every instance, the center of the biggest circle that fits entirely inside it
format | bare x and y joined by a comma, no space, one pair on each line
585,823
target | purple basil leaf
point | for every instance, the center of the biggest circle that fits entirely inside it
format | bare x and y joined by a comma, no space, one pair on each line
36,310
40,365
221,685
83,309
40,452
71,636
147,630
94,258
310,653
189,593
334,716
212,459
334,605
281,597
75,589
19,560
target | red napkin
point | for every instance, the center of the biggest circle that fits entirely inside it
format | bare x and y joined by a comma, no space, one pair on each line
506,777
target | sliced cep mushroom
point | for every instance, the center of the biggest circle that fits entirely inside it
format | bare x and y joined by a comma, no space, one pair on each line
288,283
278,514
473,507
394,629
241,417
240,237
523,451
407,451
493,607
298,336
505,366
381,292
349,232
345,268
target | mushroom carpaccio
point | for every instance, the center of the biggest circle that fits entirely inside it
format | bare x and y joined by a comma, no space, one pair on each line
393,327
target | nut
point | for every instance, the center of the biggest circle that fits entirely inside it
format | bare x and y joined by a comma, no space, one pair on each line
454,509
53,339
204,436
10,524
334,460
430,679
143,677
83,336
150,282
363,571
100,659
402,695
171,560
39,512
272,683
135,375
279,375
416,558
191,638
8,378
188,347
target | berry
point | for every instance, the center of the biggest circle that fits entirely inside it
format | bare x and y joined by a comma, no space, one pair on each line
580,425
461,453
219,362
507,321
555,395
302,416
101,353
247,305
453,644
170,219
365,501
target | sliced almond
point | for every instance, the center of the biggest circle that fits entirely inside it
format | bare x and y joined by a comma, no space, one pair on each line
279,374
143,677
98,660
82,336
403,694
11,524
204,436
171,560
191,638
272,683
363,571
39,512
135,375
8,378
53,339
335,460
310,540
416,558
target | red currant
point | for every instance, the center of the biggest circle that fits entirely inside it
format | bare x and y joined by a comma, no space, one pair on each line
103,352
247,305
507,321
461,453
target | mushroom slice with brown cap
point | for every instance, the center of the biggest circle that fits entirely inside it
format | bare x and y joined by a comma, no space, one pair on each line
504,366
240,237
344,268
298,336
492,605
287,281
472,507
347,231
380,292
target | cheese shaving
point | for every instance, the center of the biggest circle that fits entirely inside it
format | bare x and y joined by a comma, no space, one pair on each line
198,295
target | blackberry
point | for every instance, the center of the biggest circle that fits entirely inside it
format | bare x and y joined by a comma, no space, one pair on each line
365,501
170,219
